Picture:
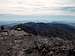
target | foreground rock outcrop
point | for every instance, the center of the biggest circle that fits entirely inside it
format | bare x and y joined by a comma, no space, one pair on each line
32,45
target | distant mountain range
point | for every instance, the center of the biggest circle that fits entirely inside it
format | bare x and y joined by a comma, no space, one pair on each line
44,26
41,26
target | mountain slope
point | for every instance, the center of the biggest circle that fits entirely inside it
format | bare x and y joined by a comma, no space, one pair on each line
48,29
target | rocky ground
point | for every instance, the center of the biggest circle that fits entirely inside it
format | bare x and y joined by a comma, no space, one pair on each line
19,43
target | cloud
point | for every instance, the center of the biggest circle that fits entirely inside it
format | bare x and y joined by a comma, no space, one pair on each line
36,7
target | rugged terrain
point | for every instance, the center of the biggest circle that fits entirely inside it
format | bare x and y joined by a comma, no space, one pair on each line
54,42
26,44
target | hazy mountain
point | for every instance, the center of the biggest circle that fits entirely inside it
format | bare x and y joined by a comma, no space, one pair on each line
44,26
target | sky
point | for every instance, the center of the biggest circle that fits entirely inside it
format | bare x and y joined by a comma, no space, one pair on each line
38,7
37,10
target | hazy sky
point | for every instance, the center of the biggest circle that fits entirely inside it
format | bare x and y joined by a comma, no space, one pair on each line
38,7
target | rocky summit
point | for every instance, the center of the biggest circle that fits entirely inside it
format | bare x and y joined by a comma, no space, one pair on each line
21,43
